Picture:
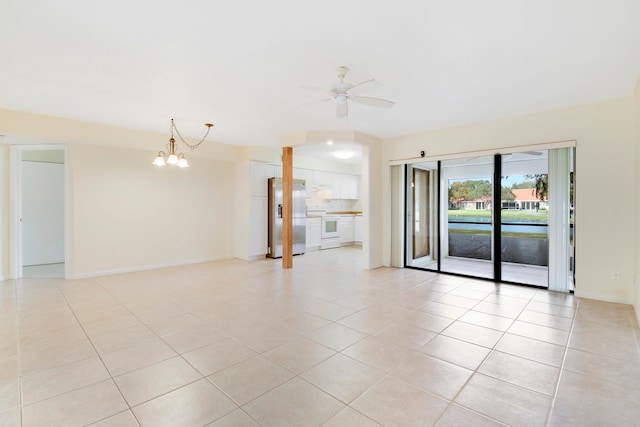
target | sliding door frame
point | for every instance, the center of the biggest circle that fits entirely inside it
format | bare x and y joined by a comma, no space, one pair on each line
496,206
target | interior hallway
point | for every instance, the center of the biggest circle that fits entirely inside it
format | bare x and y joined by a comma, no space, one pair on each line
235,343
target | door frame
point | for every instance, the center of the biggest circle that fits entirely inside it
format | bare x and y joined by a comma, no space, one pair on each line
15,206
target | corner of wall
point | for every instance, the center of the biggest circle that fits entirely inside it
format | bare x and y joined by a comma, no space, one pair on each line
4,209
636,104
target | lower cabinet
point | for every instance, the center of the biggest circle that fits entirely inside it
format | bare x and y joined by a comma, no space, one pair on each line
314,233
357,229
346,229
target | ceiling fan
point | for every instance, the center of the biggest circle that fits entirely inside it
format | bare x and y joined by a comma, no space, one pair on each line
343,92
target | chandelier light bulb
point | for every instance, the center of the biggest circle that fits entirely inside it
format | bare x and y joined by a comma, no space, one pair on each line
173,159
183,163
159,161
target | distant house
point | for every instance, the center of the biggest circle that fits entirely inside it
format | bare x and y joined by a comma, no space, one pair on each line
525,199
477,204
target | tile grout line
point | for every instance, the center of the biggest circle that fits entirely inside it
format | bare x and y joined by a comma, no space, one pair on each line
99,355
18,352
564,357
475,371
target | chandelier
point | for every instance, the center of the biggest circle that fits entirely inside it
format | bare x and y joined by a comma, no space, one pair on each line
171,156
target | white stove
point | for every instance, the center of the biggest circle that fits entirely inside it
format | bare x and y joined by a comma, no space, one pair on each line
330,237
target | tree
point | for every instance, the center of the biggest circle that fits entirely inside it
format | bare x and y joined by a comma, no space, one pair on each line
524,184
540,185
458,191
507,194
480,190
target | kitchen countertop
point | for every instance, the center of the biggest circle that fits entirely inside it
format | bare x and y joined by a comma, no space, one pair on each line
315,215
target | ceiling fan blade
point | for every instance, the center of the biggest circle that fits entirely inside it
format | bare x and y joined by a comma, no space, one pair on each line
313,102
342,110
318,89
363,87
373,102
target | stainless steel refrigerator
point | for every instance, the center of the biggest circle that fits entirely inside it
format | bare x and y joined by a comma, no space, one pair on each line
275,217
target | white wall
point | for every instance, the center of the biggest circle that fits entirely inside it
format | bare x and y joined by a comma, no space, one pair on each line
42,212
605,175
4,211
373,208
242,210
127,214
636,103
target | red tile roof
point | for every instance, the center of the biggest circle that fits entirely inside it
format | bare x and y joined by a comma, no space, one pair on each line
525,194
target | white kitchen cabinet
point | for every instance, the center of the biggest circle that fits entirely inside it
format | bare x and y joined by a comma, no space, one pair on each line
258,179
343,186
352,187
307,176
346,229
314,233
259,224
346,186
322,180
357,229
337,185
274,171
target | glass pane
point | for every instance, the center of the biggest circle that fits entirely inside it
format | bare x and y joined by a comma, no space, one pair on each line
466,227
525,218
422,217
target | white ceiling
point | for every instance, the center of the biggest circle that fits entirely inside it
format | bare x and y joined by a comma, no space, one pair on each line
239,64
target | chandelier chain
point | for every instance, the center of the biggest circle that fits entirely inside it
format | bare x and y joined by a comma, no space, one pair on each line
192,147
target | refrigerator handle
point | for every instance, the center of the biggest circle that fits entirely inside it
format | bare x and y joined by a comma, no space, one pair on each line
279,211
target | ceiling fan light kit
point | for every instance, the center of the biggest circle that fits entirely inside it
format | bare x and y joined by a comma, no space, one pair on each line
343,92
172,156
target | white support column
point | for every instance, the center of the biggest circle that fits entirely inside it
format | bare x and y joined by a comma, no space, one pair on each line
558,187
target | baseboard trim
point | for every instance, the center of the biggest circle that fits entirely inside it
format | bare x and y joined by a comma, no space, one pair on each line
600,297
145,267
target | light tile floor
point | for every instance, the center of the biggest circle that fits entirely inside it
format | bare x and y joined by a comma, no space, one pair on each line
234,343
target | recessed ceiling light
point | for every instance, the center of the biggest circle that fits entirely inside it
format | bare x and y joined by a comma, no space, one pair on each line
329,142
344,155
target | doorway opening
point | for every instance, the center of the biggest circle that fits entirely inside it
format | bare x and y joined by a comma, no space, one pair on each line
38,212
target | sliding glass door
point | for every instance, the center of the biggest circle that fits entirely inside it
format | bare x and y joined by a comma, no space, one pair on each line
524,219
506,217
466,231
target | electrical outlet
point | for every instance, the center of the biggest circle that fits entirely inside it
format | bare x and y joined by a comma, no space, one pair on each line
615,275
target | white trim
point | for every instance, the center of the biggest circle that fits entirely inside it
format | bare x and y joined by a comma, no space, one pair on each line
491,152
146,267
15,204
2,279
601,297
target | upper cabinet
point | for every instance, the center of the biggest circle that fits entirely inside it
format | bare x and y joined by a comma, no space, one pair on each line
307,176
274,171
259,179
345,186
322,180
338,185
